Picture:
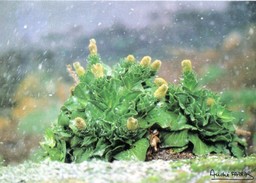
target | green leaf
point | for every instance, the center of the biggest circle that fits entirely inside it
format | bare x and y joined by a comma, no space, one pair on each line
82,154
57,152
200,148
180,123
238,147
49,138
213,128
75,114
87,79
179,149
160,116
182,99
227,137
65,135
100,147
75,141
221,148
79,92
174,139
112,150
74,129
237,150
137,152
73,103
225,115
128,96
189,80
63,119
145,103
93,111
88,140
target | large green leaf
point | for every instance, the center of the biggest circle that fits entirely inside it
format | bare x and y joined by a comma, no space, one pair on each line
200,148
73,103
127,96
94,111
79,91
160,116
225,115
180,123
182,98
145,103
137,152
174,139
213,128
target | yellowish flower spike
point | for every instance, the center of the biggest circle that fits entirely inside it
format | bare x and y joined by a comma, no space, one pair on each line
160,81
79,69
132,123
98,70
145,61
186,66
161,91
72,74
92,47
210,101
156,65
130,58
80,123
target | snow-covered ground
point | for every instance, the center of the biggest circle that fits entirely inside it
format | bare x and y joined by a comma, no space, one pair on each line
94,171
203,169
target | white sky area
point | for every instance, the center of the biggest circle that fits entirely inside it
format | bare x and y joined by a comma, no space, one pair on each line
34,19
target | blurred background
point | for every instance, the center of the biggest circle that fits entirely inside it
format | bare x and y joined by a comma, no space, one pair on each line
38,40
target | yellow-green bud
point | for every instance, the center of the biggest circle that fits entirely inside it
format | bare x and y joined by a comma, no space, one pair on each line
79,123
145,61
92,47
79,69
160,81
132,123
186,66
98,70
130,58
161,91
210,101
156,65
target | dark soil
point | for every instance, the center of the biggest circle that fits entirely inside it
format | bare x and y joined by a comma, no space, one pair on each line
168,154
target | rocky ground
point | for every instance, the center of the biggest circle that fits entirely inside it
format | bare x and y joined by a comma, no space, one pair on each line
199,169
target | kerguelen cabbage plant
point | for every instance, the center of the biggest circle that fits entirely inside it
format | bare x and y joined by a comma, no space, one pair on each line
121,113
